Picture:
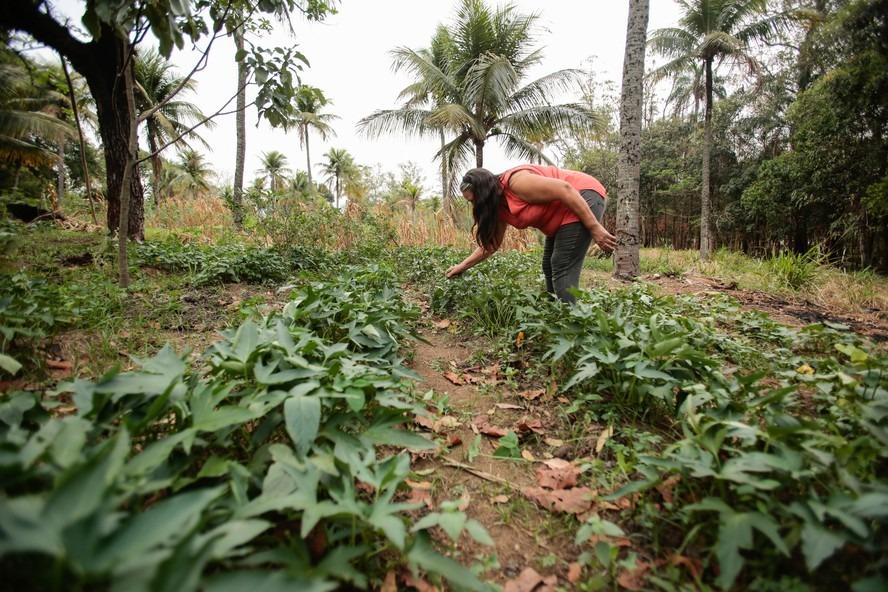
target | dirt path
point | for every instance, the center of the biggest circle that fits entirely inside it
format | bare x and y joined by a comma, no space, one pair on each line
463,397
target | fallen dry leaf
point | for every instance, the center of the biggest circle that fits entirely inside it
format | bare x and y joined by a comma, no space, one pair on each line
491,370
557,474
532,394
454,378
420,492
667,487
453,440
615,541
499,499
527,581
59,364
442,324
571,501
694,566
464,502
527,455
553,442
603,437
564,400
519,339
530,425
508,406
481,425
574,572
634,579
436,424
414,582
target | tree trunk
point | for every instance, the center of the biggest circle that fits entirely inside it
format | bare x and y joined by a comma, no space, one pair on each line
60,180
705,197
445,182
83,164
479,153
129,170
629,175
156,166
307,158
240,125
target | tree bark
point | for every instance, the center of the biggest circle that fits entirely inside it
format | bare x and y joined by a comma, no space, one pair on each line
83,164
127,61
629,175
240,131
307,158
156,165
479,153
60,179
705,197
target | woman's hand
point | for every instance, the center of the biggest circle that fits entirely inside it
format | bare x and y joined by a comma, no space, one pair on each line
454,271
603,238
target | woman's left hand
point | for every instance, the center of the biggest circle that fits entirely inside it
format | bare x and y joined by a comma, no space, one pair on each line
453,272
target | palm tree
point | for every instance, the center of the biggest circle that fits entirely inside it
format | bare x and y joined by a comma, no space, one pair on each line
192,173
710,32
155,80
339,166
309,102
240,124
274,167
626,253
27,116
472,78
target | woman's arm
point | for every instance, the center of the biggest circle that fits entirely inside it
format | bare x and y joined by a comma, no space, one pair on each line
538,189
479,254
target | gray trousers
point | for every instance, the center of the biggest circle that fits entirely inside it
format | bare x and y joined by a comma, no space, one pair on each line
564,251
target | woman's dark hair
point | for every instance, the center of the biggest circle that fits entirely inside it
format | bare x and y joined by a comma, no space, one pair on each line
488,194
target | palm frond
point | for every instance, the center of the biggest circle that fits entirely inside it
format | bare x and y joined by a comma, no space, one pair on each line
490,82
16,151
410,122
519,148
538,91
19,124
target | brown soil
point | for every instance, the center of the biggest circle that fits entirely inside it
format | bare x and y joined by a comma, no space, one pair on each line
524,534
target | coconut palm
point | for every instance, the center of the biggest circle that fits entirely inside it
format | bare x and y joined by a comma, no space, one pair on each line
155,80
710,33
275,168
309,102
338,167
472,77
192,173
27,116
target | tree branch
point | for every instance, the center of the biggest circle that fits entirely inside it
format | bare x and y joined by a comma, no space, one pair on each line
26,16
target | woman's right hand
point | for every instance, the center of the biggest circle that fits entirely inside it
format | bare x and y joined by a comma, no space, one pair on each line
453,271
605,240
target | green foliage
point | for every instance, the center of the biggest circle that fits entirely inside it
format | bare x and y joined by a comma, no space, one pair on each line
218,263
794,271
169,477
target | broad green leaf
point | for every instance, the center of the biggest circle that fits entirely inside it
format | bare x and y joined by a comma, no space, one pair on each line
390,524
424,556
302,416
477,531
164,523
9,364
819,544
265,581
83,488
386,435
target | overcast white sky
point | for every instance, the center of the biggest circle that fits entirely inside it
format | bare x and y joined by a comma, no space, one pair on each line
349,56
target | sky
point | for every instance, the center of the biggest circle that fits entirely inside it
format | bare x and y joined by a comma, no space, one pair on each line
350,61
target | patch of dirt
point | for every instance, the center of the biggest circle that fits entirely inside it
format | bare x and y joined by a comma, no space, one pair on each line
522,532
790,311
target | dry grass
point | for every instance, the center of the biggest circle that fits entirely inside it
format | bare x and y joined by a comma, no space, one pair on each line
204,217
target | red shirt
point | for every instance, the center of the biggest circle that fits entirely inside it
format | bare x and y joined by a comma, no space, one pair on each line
550,216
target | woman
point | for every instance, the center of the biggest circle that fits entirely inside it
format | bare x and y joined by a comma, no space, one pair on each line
565,205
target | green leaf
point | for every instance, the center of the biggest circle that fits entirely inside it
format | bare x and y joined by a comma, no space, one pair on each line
266,581
9,364
83,488
302,416
477,531
165,523
819,544
425,557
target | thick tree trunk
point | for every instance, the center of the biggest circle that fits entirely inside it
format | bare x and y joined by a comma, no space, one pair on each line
629,174
127,59
705,197
479,153
240,125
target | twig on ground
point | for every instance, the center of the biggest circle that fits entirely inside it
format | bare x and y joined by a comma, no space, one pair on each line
478,473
